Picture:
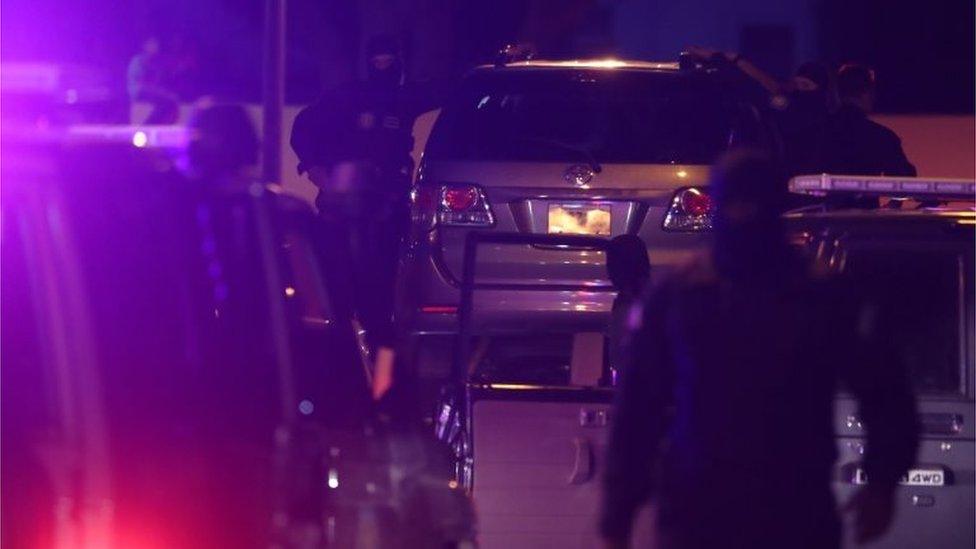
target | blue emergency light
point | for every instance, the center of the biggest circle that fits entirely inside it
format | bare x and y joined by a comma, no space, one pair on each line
143,137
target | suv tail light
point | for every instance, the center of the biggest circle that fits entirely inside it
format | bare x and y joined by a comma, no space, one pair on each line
423,206
459,199
451,205
691,210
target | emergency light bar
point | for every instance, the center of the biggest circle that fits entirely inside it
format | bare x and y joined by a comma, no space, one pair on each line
30,77
906,187
67,83
143,137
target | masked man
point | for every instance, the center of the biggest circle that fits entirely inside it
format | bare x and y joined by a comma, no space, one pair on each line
354,143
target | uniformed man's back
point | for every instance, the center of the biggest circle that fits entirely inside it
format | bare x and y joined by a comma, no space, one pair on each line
855,144
734,369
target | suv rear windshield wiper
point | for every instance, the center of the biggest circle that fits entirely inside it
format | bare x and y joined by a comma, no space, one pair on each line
585,153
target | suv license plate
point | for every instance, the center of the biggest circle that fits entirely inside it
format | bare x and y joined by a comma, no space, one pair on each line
579,218
914,477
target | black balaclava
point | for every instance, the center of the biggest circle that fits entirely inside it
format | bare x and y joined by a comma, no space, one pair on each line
391,76
750,192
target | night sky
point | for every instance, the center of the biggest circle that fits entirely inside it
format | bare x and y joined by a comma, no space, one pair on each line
924,57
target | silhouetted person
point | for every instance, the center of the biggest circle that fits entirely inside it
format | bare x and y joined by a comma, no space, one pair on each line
801,106
146,81
857,145
803,111
725,409
355,144
223,149
184,71
629,270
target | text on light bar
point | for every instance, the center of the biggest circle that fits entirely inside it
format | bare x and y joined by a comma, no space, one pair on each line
889,186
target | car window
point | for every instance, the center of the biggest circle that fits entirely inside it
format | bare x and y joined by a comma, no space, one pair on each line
536,359
326,362
616,117
919,293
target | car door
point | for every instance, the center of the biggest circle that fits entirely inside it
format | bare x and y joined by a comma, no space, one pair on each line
538,460
926,295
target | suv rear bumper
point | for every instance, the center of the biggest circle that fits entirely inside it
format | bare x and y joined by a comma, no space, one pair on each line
518,311
429,300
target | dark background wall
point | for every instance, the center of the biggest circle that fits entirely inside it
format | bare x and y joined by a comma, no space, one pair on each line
923,51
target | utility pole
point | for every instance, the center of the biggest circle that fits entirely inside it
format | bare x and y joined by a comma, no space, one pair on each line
274,89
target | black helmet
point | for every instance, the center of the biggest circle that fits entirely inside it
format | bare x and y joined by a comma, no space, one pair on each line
225,140
854,79
750,191
627,263
381,44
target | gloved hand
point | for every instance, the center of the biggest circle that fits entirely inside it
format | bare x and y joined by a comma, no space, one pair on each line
873,507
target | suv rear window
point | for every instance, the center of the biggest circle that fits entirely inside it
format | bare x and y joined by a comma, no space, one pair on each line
921,300
604,116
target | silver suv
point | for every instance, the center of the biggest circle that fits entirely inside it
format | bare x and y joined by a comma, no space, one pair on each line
585,147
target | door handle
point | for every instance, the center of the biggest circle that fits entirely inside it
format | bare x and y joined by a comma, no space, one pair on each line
940,424
583,463
593,417
929,423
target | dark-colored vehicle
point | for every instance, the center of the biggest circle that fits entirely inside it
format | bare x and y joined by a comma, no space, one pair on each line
917,265
174,376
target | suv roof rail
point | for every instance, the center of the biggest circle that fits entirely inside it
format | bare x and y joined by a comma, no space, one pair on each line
921,188
514,52
690,62
686,61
